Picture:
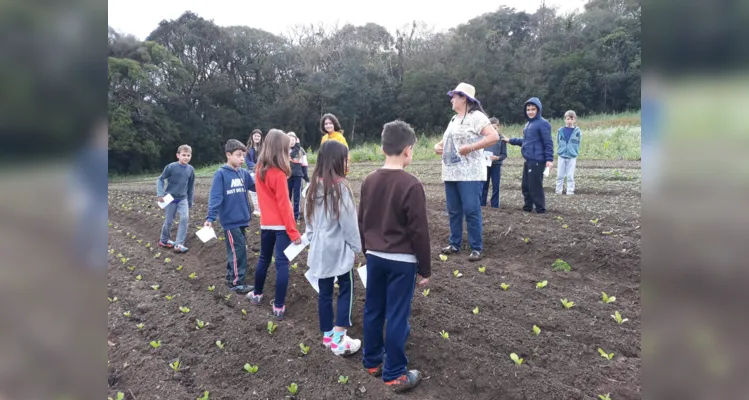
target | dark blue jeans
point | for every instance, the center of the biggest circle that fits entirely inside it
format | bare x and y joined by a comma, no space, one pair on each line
463,199
236,255
345,301
390,289
270,239
295,192
493,175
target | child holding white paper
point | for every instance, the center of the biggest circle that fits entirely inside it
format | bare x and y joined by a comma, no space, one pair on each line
331,226
180,176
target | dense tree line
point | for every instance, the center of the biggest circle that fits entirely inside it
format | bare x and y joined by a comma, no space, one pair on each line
194,82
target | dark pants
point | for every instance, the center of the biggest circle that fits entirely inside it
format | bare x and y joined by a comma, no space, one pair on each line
533,186
345,299
390,289
464,199
493,175
236,254
295,192
268,240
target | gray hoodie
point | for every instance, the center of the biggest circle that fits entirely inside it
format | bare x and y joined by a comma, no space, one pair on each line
333,242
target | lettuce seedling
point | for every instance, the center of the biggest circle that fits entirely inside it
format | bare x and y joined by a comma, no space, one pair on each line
140,325
444,334
168,297
148,245
504,286
132,267
606,299
184,309
139,277
536,330
228,296
244,311
594,221
167,260
204,396
155,287
124,260
476,310
140,241
343,380
425,292
193,275
126,313
211,288
157,255
561,265
565,226
293,388
294,266
558,218
605,355
305,349
119,396
482,269
604,396
201,324
176,365
542,284
155,344
250,368
457,274
112,299
271,327
443,257
526,240
607,232
514,357
119,255
618,318
567,304
179,268
220,345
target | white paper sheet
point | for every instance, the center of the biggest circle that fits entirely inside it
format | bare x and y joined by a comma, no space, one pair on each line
167,200
363,275
294,249
304,191
488,158
312,280
206,233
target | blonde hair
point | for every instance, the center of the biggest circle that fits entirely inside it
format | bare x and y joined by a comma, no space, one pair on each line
185,148
570,113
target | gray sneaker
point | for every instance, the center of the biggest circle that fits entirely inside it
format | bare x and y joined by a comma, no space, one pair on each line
475,256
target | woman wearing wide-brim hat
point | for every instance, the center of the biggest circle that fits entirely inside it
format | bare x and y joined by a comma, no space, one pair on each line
464,167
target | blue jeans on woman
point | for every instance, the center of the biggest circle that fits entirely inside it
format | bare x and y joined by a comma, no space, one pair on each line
464,200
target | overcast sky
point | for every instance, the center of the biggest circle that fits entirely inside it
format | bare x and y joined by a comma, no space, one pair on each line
140,17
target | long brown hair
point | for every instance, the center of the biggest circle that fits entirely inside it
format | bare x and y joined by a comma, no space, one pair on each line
330,171
334,120
274,154
251,143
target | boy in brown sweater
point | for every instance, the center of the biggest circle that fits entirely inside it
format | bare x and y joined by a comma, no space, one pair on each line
395,239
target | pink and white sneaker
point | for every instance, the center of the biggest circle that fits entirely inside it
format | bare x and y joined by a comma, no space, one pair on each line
327,341
346,346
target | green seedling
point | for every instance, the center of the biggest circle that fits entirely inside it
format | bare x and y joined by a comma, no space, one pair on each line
204,396
148,245
425,292
201,324
475,310
272,259
132,267
139,277
271,327
155,344
558,218
220,344
607,232
221,238
124,260
119,396
155,287
126,313
294,266
257,232
565,226
176,365
184,309
293,388
127,234
561,265
119,255
605,355
606,299
343,380
594,221
140,241
250,368
305,349
443,257
132,237
112,299
244,311
228,296
504,286
179,268
604,396
482,269
567,304
514,357
526,240
157,255
167,260
140,325
168,297
444,334
618,318
192,275
457,274
211,288
536,330
109,224
542,284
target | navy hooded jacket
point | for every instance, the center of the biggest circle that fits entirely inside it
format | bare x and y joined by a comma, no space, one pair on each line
228,197
537,144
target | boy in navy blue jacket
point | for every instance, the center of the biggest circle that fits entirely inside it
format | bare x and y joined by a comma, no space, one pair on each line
538,151
228,200
494,173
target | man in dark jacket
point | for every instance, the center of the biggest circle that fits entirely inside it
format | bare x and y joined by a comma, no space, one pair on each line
538,151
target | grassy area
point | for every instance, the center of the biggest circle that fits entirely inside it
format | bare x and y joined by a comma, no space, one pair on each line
605,137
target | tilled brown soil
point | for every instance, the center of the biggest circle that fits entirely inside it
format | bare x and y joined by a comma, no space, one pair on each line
596,231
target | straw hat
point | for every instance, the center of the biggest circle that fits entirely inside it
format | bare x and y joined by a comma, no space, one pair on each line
466,90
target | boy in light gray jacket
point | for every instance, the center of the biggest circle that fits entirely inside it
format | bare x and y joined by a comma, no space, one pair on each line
333,231
568,147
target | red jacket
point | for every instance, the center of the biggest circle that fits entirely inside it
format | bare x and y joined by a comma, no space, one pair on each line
273,196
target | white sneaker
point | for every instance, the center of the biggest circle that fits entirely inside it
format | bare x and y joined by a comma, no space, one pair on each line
346,346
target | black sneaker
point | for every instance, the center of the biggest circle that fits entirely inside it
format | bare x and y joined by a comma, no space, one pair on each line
242,288
407,381
475,256
449,250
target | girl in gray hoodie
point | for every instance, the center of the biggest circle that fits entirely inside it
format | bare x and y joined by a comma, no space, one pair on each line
333,232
